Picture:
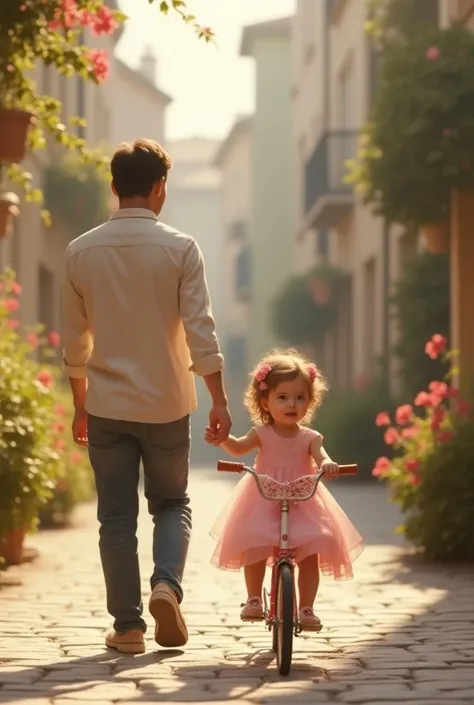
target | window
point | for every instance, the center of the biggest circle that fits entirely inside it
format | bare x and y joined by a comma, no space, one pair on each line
243,274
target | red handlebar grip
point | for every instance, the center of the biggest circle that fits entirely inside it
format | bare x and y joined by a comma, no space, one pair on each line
348,469
229,466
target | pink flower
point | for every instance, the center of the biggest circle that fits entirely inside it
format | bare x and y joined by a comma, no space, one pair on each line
410,432
58,427
54,339
45,378
391,436
436,346
432,53
403,414
17,289
75,456
60,410
13,324
262,386
414,479
382,466
383,419
11,305
313,372
33,339
103,22
100,63
412,465
262,372
59,443
439,389
424,399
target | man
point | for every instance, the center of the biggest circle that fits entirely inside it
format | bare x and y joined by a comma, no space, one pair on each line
137,323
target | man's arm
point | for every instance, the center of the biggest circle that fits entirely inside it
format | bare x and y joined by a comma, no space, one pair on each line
77,347
200,329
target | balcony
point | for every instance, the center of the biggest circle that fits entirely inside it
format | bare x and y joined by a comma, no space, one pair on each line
327,198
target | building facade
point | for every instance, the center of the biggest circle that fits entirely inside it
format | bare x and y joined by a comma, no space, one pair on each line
334,78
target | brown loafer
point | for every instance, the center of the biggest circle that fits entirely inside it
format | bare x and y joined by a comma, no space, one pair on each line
132,642
170,627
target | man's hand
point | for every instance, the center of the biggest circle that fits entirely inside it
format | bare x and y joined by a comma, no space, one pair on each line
79,427
220,423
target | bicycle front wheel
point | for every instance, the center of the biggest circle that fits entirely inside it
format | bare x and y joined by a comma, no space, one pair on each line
284,615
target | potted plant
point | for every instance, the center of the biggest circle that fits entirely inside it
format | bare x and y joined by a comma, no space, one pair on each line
14,125
9,209
76,193
419,144
302,315
323,281
28,456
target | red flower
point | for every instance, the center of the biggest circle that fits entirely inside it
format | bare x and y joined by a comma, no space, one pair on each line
13,324
45,377
437,419
60,410
383,419
423,399
440,391
33,339
58,427
391,436
463,407
432,53
54,339
436,346
100,63
445,436
414,479
103,22
412,465
75,456
59,443
410,432
403,414
11,305
382,466
17,289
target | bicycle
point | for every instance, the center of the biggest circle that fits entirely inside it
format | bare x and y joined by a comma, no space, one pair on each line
280,609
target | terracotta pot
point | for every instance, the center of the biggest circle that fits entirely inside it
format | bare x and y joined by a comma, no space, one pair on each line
9,209
322,290
11,546
14,126
436,236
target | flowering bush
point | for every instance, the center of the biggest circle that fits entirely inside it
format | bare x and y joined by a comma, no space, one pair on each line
431,475
418,146
33,439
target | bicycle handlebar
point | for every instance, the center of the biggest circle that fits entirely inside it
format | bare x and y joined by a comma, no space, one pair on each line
230,466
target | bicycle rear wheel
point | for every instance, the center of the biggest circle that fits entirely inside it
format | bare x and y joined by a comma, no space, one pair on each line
284,615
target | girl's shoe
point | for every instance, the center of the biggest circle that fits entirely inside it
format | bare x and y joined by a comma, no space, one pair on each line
252,610
308,620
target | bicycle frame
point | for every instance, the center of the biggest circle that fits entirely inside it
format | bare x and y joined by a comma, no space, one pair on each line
299,490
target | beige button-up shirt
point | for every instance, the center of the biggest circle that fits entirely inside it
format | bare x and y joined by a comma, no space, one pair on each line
137,319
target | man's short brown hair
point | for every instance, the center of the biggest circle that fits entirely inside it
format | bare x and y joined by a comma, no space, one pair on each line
136,168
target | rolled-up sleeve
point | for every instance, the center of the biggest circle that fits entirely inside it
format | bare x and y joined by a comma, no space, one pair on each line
196,315
75,332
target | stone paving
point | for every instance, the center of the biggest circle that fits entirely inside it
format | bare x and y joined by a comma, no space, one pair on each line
398,633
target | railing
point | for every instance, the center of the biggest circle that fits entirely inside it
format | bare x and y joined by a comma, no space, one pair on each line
326,169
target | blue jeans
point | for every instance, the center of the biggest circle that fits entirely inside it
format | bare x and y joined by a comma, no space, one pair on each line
115,451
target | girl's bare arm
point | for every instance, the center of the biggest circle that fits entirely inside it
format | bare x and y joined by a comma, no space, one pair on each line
242,446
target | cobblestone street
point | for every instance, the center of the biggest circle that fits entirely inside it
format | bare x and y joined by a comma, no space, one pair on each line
398,633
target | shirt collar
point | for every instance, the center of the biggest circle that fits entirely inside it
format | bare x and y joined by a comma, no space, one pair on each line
133,213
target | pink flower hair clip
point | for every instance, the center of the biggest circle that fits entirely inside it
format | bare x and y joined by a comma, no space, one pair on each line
261,375
313,372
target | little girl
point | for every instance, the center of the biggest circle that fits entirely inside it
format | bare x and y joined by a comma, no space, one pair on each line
283,394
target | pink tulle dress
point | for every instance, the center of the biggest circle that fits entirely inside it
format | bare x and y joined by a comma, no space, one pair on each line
248,529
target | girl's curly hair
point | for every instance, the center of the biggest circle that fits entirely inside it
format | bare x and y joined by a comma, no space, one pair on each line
281,366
